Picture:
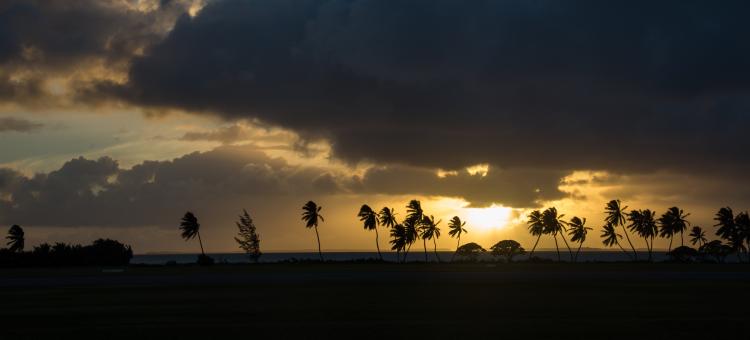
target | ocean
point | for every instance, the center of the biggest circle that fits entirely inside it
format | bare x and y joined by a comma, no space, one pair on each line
414,256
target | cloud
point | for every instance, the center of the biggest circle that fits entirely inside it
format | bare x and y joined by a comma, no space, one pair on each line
225,135
50,49
633,87
85,192
510,187
18,125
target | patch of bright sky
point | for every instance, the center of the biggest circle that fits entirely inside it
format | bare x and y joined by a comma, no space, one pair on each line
126,136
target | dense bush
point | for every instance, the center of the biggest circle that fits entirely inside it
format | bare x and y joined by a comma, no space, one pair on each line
102,252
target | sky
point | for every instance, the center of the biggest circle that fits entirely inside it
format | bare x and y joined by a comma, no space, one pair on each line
117,116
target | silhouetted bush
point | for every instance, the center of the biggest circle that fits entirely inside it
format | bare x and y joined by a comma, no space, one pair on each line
683,254
102,252
469,252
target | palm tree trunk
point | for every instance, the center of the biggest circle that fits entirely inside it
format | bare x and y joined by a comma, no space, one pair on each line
578,251
398,255
317,236
424,241
624,251
558,249
458,243
377,244
434,243
535,243
406,253
201,243
631,243
566,244
670,245
650,248
682,238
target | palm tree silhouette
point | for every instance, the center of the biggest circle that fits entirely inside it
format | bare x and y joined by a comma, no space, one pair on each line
697,235
536,228
611,237
387,217
412,223
554,225
456,227
577,232
430,231
370,220
16,241
191,228
398,242
642,223
741,235
615,215
672,222
311,215
725,222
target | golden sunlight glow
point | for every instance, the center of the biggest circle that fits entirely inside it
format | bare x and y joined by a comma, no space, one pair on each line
493,217
479,169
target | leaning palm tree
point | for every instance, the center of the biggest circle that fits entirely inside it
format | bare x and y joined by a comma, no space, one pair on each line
725,222
370,220
412,223
615,215
311,215
430,231
642,222
698,236
398,241
387,217
15,238
536,228
191,228
554,225
672,222
456,227
611,237
577,232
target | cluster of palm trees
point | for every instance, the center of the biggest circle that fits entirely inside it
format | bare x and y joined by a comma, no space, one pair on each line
619,221
415,226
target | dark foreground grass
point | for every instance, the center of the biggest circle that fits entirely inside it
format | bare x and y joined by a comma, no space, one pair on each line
370,300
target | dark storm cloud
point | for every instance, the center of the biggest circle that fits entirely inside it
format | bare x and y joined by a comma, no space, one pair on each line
86,192
43,38
18,125
625,85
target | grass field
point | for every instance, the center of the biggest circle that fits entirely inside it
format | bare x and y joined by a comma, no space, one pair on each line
371,300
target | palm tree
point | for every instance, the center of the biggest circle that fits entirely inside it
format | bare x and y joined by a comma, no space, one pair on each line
387,217
191,228
697,235
15,238
616,217
370,221
577,232
554,225
611,237
725,222
672,222
456,230
414,217
536,228
398,242
642,222
741,235
311,215
430,231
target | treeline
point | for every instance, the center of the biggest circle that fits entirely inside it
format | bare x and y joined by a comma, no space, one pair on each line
102,252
